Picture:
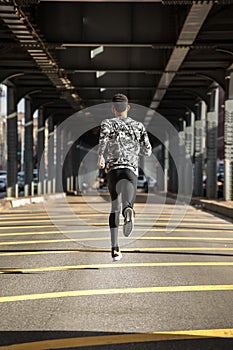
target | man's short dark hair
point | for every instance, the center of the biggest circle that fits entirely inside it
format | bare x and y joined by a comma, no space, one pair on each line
120,102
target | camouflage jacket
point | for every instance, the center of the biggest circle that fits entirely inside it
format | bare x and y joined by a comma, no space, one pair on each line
124,139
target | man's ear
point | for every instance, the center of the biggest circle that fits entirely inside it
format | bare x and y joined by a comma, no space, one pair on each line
113,109
128,108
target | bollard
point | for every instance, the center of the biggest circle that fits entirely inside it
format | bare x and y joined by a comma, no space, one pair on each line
49,187
54,186
44,187
26,190
16,190
68,184
71,183
32,188
39,188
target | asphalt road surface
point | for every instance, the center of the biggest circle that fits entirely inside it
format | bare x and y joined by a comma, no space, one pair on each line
173,289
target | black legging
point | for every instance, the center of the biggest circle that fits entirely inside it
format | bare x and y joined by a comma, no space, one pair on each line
120,182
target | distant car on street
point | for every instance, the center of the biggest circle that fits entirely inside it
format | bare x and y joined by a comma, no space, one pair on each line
146,183
220,185
2,185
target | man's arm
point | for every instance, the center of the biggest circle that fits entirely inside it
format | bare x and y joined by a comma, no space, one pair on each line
145,146
103,140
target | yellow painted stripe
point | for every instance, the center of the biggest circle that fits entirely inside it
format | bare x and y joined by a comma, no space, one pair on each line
46,252
93,341
34,233
41,241
140,290
89,218
171,238
46,241
121,265
147,238
25,226
106,229
69,251
154,222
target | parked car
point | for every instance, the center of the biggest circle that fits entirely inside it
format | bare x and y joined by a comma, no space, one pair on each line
102,178
142,182
152,183
220,185
146,183
21,180
2,185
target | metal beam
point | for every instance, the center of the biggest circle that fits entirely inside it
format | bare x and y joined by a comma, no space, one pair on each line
192,25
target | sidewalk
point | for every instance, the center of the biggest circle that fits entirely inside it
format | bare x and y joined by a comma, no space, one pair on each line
221,207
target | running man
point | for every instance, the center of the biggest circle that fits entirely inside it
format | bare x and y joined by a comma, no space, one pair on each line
124,139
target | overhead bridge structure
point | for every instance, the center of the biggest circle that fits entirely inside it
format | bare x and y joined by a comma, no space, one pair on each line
172,57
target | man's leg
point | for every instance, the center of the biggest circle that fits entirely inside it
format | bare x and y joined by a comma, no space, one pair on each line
114,217
128,190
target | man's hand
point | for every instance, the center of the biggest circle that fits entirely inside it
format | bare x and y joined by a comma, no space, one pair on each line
101,162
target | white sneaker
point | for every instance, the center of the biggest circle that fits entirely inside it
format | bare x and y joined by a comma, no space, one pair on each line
128,221
116,254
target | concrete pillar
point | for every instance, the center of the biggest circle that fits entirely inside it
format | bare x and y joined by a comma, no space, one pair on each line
189,149
12,142
166,164
40,150
51,172
181,157
173,164
212,135
228,142
199,148
58,164
67,168
28,146
160,167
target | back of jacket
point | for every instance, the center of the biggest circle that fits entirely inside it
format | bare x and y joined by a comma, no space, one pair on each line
124,139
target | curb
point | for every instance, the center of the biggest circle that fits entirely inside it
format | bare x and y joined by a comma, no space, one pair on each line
221,207
9,203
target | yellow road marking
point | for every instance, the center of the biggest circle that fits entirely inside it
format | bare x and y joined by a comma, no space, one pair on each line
40,252
41,241
89,292
89,218
25,226
158,238
79,342
68,251
47,232
121,265
107,229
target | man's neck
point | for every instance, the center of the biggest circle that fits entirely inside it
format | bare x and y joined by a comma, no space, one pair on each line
122,115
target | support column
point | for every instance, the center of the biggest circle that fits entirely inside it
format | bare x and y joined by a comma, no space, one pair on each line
189,148
50,155
212,134
28,147
59,161
173,165
67,168
160,167
181,163
40,150
228,141
199,148
166,164
12,142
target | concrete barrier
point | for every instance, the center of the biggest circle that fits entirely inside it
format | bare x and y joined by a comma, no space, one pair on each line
9,203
